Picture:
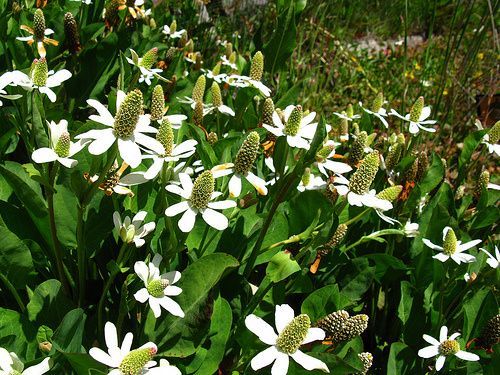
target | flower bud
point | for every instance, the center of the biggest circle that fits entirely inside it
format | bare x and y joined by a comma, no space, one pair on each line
257,67
267,111
149,58
198,62
216,95
203,188
39,72
391,193
71,33
362,179
292,336
62,146
128,114
343,129
127,233
199,89
357,149
165,136
247,154
157,103
292,126
45,346
416,109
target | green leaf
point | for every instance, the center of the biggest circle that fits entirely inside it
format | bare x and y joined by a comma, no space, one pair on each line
48,305
220,329
281,266
17,334
401,359
469,145
84,364
405,303
324,301
176,336
16,263
65,208
69,335
477,311
360,283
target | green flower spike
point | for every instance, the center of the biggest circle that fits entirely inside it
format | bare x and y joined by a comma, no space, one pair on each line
367,359
232,58
247,154
395,152
267,111
391,193
324,152
212,138
362,179
423,165
340,327
71,33
335,240
199,89
494,133
134,362
450,242
149,58
482,183
198,114
203,188
156,288
349,111
306,177
165,136
377,102
229,49
292,336
216,69
63,145
39,25
358,148
39,72
128,114
173,27
416,109
170,55
157,103
216,95
490,335
292,126
257,67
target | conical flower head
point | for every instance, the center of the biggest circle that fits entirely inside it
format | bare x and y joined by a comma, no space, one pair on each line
216,69
333,322
173,27
198,113
358,148
216,95
391,193
494,133
349,111
247,153
362,179
377,102
352,327
229,49
165,136
156,288
292,336
149,58
416,109
324,152
343,127
267,111
292,126
423,165
39,72
411,173
232,57
212,138
127,116
170,55
393,155
203,188
306,177
39,25
111,14
450,242
449,347
71,33
490,335
257,67
482,183
157,103
134,361
62,146
199,89
367,360
338,236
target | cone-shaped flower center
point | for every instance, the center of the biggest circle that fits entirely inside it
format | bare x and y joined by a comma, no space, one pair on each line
292,126
216,95
39,25
216,69
494,133
198,113
343,125
450,242
290,339
165,136
358,147
267,111
203,188
212,138
71,32
377,102
134,362
232,57
39,72
128,114
247,154
362,179
306,177
416,109
324,153
449,347
157,103
391,193
257,66
350,111
149,58
62,146
229,49
173,27
338,236
157,287
127,233
199,89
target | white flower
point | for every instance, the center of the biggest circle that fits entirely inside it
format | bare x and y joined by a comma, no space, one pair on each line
493,261
31,38
368,199
222,109
415,127
181,151
466,277
174,35
305,132
216,77
245,81
6,79
158,287
118,184
167,368
225,61
128,146
492,147
192,205
380,114
446,346
411,229
454,251
133,231
139,360
272,176
235,183
60,146
147,74
286,343
345,117
314,183
10,364
324,163
54,79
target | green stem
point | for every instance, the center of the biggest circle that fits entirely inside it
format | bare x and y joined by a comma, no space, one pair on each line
13,290
356,218
53,229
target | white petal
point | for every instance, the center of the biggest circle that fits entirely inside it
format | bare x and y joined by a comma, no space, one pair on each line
171,306
278,132
103,143
101,356
186,182
177,190
141,295
50,94
454,336
149,143
142,270
186,223
355,199
110,335
222,205
134,178
40,368
308,362
5,360
337,167
155,306
235,186
264,358
177,208
225,109
105,116
308,131
176,119
67,162
283,315
431,245
297,141
258,183
261,329
127,343
443,333
314,334
172,276
431,340
442,257
44,155
468,245
426,112
308,119
172,290
466,356
429,351
464,258
215,219
440,362
130,152
58,77
280,366
120,97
